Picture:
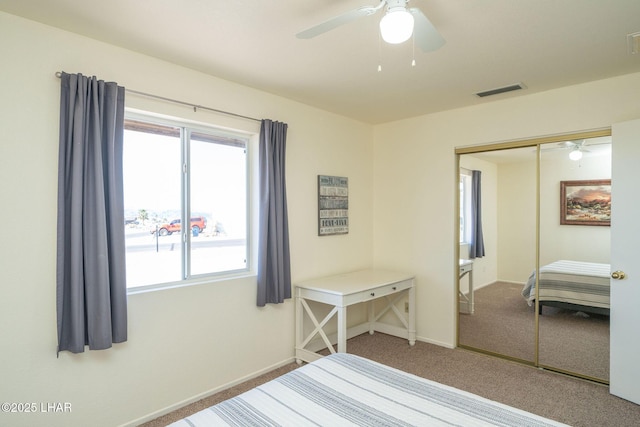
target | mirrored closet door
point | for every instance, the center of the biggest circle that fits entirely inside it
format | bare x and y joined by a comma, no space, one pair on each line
575,212
500,320
528,220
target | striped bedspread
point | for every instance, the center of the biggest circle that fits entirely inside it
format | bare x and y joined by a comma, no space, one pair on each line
575,282
348,390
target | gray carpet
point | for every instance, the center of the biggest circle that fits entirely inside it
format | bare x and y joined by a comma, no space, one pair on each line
569,340
572,401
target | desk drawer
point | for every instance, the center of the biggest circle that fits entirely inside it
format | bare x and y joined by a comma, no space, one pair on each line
465,268
382,291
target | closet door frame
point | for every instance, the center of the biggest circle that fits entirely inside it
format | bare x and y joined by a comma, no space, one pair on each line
536,144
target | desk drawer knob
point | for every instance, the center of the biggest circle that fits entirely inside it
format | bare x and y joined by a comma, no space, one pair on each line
373,294
394,288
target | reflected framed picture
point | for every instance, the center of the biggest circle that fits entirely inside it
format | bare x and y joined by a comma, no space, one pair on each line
585,202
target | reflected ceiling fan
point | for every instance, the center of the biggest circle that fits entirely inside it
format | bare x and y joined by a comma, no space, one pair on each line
397,25
575,147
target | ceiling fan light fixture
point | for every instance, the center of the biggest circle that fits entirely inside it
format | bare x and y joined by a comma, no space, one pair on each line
397,25
575,154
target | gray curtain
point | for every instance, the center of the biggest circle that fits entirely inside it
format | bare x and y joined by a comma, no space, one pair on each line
274,271
91,279
476,249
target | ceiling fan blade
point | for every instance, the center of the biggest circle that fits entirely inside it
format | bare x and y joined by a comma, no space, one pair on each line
563,145
426,35
337,21
589,144
552,149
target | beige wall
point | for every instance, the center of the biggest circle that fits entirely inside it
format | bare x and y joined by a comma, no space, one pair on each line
509,209
574,242
414,174
192,340
485,269
184,341
518,215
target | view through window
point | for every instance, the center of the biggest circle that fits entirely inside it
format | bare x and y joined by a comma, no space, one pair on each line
171,173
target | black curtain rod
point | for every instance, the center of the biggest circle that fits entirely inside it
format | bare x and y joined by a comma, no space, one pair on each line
175,101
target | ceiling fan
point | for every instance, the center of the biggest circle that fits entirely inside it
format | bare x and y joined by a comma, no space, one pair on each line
396,26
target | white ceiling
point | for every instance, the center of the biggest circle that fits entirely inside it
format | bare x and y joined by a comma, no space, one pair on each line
544,44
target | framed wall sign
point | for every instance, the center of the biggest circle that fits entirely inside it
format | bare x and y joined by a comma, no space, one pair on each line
333,205
585,202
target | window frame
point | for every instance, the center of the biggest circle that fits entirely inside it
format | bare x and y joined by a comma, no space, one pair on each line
186,128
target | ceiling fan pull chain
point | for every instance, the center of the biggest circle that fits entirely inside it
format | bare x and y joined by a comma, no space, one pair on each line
413,49
379,52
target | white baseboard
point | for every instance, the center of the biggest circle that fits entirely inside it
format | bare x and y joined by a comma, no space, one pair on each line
360,329
205,394
435,342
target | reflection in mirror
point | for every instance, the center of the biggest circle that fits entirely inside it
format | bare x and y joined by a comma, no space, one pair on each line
494,316
574,256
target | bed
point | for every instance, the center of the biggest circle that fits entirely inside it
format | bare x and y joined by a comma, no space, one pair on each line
347,390
574,285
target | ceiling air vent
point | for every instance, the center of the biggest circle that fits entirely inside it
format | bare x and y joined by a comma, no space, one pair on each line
499,90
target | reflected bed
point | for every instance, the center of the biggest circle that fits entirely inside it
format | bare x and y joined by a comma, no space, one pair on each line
574,285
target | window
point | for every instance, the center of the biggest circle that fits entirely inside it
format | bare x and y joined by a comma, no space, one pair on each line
465,207
173,172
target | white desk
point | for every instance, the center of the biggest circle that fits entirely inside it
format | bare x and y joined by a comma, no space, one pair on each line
344,290
466,301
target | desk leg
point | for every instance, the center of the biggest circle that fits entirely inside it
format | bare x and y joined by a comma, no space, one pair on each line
299,327
342,329
412,315
470,291
372,316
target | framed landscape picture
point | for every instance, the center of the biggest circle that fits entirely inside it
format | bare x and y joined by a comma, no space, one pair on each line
585,202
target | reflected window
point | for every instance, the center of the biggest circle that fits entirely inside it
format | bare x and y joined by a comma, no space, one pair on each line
465,207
